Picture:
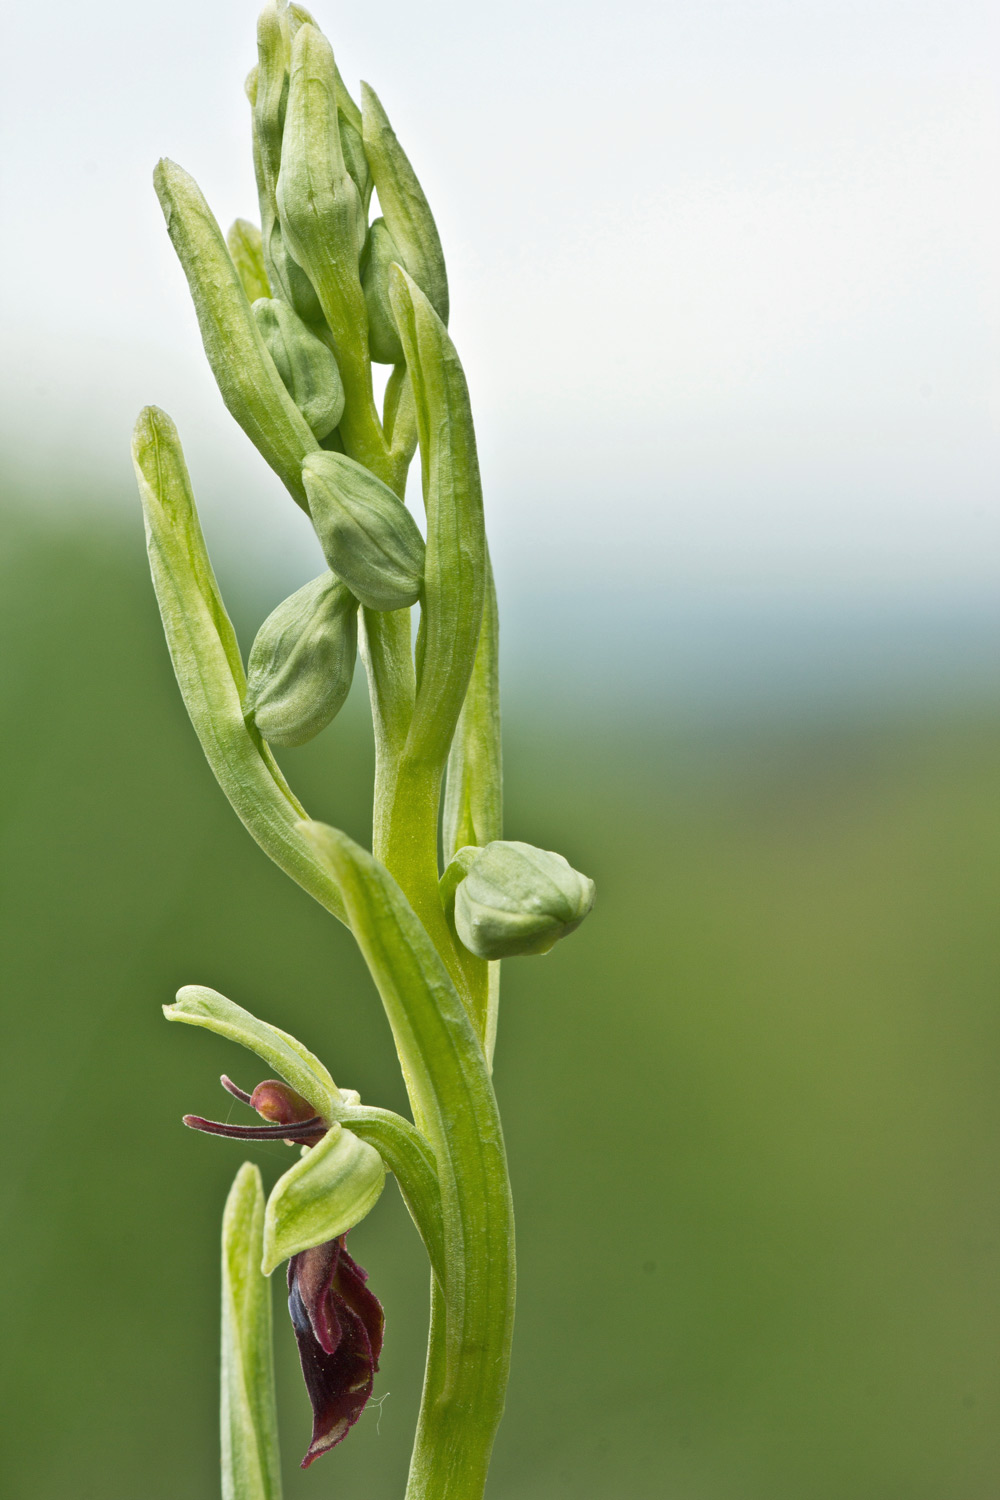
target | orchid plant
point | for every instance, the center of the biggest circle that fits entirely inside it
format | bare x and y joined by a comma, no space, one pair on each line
293,315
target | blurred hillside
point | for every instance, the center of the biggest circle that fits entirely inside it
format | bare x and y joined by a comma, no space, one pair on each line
752,1107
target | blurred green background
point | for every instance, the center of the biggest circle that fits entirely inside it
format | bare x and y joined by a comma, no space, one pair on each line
751,1108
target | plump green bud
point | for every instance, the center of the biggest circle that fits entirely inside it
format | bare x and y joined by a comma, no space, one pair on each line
322,219
306,366
367,534
302,662
247,251
516,899
383,336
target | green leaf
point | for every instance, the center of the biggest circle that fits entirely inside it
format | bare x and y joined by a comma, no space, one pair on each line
401,198
244,244
245,372
198,1006
329,1190
455,568
207,661
473,800
248,1419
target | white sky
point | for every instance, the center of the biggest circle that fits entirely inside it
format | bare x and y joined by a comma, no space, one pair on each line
725,273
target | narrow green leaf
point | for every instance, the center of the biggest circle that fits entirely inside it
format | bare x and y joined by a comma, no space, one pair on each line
197,1005
207,662
455,568
245,372
473,801
328,1190
248,1419
244,244
401,198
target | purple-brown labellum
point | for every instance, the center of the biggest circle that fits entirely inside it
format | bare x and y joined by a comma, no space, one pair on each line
338,1326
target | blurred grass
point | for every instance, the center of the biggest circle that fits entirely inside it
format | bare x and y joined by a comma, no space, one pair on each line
752,1107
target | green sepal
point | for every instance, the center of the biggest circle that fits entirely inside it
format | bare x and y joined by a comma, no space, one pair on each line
248,1418
455,566
245,372
328,1190
302,662
401,198
367,534
307,367
207,663
197,1005
244,244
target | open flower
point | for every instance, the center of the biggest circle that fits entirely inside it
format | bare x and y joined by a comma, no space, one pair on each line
338,1322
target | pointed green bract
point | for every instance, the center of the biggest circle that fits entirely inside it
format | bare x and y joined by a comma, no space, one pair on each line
455,567
244,371
197,1005
329,1190
206,658
406,210
244,244
248,1420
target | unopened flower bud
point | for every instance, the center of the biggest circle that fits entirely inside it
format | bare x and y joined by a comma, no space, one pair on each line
367,534
516,899
302,662
383,336
306,366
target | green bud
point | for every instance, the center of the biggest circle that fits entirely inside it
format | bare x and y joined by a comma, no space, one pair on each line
367,534
383,336
247,251
401,198
322,220
305,364
516,899
302,662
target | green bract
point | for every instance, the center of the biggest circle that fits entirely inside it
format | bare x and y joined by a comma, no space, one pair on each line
305,364
248,1420
367,534
302,662
516,899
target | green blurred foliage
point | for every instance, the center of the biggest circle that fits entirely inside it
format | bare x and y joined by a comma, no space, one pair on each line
751,1107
